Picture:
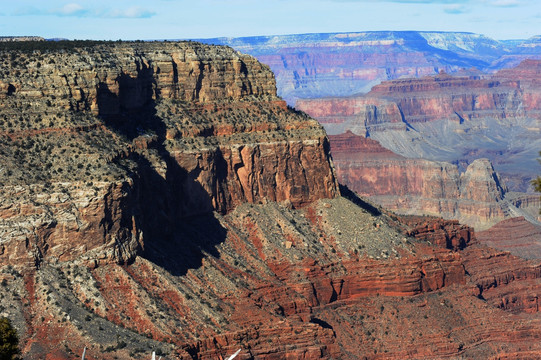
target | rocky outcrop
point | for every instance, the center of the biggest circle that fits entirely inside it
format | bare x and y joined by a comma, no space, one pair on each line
20,38
448,234
415,186
73,221
481,183
117,142
448,118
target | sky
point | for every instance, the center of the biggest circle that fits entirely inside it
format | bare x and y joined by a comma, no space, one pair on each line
190,19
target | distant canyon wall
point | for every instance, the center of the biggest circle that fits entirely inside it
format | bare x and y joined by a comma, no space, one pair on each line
344,64
477,197
449,118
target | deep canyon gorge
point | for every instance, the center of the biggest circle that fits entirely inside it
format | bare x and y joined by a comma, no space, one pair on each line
162,197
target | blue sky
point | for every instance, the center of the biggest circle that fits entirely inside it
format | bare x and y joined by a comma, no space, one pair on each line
173,19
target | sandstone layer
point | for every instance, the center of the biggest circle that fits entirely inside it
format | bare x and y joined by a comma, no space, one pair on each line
477,197
449,118
164,199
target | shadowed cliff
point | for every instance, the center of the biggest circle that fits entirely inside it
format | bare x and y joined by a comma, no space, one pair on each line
190,212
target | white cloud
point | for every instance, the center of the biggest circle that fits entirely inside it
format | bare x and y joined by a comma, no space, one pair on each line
505,3
456,9
72,9
134,12
77,10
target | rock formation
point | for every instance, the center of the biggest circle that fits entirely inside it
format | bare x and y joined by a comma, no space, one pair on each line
160,197
104,127
516,235
20,38
449,118
477,197
344,64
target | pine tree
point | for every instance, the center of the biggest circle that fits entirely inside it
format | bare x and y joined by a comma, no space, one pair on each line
8,340
536,183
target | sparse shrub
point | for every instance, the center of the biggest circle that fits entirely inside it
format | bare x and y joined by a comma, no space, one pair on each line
536,183
9,342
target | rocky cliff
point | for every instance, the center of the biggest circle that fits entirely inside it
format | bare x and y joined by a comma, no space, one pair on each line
449,118
277,282
160,197
112,141
477,196
344,64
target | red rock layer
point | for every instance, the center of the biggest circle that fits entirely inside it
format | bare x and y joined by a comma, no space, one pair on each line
434,98
289,284
515,235
415,186
448,234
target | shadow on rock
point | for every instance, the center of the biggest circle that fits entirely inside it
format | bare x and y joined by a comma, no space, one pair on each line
354,198
174,211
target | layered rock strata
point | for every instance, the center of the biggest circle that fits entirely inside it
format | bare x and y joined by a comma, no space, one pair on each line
517,235
449,118
199,218
106,144
476,197
282,283
344,64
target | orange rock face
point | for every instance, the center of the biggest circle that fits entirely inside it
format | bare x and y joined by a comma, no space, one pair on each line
416,186
214,223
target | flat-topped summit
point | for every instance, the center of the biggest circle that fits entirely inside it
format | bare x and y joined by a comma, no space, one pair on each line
91,131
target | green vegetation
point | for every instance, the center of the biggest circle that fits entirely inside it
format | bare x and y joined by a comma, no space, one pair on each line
536,183
62,45
8,340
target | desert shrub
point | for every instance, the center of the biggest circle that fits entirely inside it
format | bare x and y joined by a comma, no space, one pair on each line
536,183
9,342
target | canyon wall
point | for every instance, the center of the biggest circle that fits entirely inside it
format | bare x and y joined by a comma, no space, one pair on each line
477,197
449,118
345,64
161,197
117,141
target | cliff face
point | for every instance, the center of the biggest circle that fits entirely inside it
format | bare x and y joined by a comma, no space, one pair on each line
477,197
191,213
344,64
516,235
115,141
282,283
449,118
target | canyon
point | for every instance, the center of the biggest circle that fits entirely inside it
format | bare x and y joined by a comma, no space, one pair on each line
468,144
343,64
162,197
477,196
438,96
448,118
